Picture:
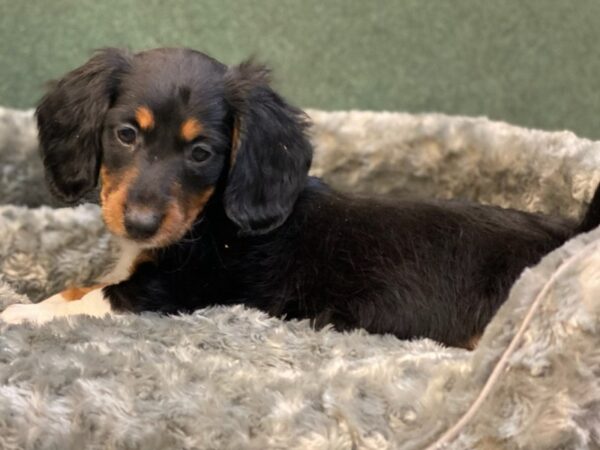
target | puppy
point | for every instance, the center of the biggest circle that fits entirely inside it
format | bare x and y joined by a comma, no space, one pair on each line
203,174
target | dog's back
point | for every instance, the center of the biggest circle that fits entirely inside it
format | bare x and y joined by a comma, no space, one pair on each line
435,269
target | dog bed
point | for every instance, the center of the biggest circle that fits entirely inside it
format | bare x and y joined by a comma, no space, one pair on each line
235,378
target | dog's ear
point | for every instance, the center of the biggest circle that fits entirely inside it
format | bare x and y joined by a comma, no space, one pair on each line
70,119
270,154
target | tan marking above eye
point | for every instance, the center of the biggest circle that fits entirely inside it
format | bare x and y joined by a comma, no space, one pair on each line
144,117
190,129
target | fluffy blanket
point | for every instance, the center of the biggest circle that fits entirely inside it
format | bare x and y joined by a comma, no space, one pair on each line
235,378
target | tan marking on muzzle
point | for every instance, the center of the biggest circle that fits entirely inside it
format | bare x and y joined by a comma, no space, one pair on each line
180,216
114,196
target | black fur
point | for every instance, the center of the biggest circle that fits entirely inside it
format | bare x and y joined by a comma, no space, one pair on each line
70,121
270,237
272,157
432,269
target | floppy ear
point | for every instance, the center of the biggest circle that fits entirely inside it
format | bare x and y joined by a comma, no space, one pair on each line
270,154
70,119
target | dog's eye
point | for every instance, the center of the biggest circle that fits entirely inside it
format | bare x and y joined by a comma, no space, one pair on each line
200,153
127,134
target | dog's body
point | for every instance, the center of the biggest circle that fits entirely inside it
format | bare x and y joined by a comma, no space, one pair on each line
438,269
204,167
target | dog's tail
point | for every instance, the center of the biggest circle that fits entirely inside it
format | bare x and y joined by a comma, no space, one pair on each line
592,217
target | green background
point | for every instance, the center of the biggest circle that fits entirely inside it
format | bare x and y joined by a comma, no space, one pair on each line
530,62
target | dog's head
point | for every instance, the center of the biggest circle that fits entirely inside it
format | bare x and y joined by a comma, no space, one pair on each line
161,130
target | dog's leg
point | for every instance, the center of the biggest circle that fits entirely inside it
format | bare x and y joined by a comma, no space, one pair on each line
75,300
94,303
129,257
471,344
77,293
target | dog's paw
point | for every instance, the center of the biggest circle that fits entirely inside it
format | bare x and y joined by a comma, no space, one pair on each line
92,304
34,313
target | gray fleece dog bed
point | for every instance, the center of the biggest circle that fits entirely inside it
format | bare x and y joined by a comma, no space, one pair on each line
234,378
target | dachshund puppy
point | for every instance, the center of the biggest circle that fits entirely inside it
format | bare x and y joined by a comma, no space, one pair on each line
203,171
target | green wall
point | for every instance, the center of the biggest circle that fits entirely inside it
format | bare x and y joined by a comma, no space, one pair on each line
530,62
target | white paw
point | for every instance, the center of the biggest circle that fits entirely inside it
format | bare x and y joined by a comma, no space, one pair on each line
37,313
92,304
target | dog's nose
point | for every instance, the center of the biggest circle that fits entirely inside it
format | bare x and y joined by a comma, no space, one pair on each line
142,223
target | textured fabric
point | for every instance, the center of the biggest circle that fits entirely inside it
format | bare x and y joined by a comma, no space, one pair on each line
19,164
235,378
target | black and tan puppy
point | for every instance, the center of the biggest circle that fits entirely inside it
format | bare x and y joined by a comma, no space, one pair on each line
203,173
